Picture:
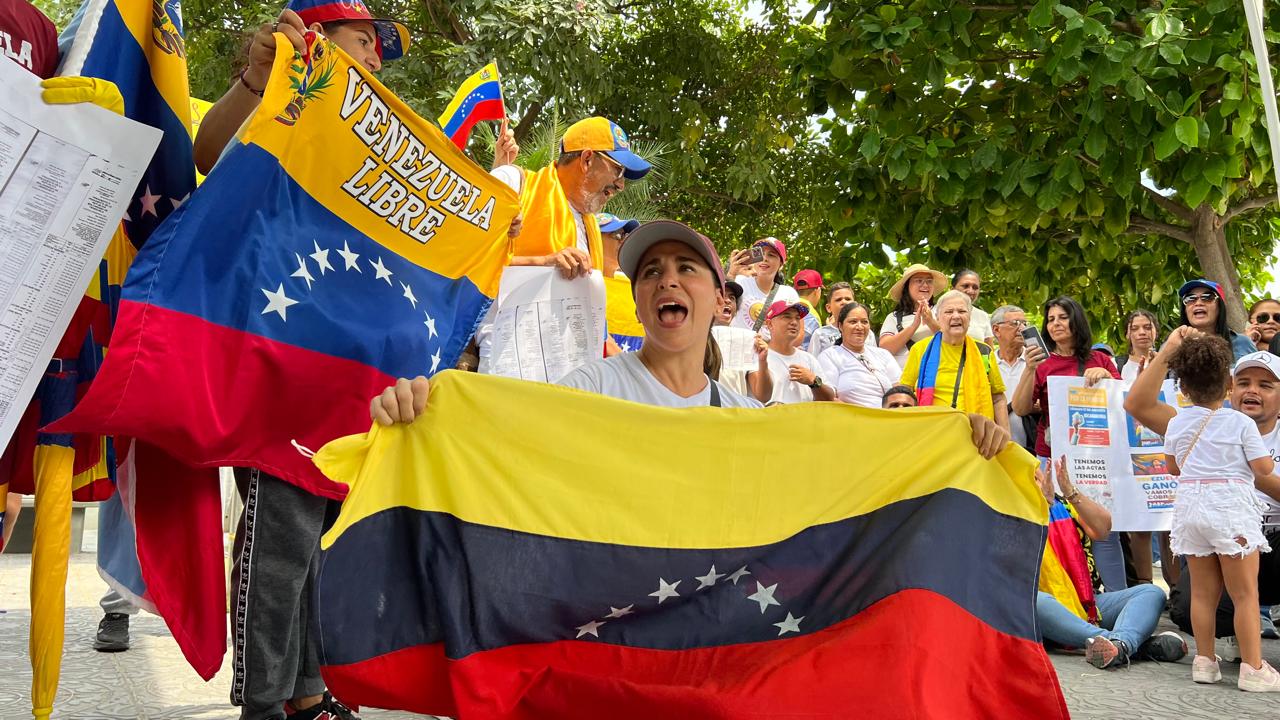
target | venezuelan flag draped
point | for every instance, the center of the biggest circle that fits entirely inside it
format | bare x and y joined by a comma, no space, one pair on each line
652,569
341,243
137,45
478,98
620,314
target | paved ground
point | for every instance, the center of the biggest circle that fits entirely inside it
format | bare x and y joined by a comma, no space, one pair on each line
152,681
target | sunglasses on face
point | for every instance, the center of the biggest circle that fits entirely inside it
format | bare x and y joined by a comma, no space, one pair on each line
1204,297
1266,317
614,164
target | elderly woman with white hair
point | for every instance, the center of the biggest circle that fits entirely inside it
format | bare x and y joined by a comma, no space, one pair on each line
952,369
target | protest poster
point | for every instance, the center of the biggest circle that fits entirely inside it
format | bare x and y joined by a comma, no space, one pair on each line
1113,459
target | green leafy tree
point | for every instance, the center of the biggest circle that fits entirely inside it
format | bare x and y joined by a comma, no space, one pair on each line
1028,140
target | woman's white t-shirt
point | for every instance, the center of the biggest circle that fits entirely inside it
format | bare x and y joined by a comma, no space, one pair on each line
891,327
626,378
859,378
1228,442
752,294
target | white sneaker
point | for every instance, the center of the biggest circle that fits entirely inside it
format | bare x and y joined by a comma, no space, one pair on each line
1230,649
1204,670
1264,679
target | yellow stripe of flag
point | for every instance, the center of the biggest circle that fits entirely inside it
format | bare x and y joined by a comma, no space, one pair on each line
707,477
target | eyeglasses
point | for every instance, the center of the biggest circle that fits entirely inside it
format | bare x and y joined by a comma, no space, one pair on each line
1019,324
615,164
1204,297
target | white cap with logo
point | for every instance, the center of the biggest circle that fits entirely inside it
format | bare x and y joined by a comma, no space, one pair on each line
1261,359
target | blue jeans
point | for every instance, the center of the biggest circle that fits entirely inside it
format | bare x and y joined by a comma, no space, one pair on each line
1128,615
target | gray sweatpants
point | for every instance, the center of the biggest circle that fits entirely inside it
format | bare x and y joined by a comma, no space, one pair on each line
276,559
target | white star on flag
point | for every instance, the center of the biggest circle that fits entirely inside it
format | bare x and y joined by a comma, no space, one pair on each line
791,624
735,577
278,302
430,322
706,581
302,271
321,257
381,272
148,202
177,202
619,612
435,360
665,590
764,596
349,257
408,293
591,628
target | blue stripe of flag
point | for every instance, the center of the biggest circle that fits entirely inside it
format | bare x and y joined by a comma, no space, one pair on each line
491,90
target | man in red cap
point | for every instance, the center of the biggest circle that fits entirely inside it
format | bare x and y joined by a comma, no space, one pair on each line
368,40
808,285
794,372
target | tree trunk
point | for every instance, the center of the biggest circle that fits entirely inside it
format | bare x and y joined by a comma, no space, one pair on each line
1210,242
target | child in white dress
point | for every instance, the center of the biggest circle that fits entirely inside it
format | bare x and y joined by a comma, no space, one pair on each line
1217,521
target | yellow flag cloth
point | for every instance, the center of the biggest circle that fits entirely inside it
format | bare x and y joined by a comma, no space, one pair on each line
547,220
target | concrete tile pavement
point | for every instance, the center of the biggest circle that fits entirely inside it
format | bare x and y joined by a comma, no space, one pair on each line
152,681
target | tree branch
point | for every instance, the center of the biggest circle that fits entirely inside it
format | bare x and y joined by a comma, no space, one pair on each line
1139,225
720,196
1248,205
1172,207
529,118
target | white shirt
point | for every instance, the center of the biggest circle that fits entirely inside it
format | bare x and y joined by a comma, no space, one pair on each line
1129,373
786,390
626,378
980,325
1271,515
752,294
513,177
1011,373
1225,447
890,327
859,378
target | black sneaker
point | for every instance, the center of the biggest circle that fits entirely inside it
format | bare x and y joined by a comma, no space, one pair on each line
1102,652
113,633
327,709
1167,646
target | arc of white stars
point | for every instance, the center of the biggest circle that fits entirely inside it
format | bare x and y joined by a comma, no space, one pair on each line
665,590
791,624
408,293
735,577
706,581
302,271
764,596
278,302
349,258
381,272
321,257
619,612
591,628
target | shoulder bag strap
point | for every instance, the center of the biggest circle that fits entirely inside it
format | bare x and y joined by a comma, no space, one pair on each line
1195,438
955,392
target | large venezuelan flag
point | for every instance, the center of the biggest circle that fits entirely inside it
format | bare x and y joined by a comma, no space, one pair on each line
341,243
654,567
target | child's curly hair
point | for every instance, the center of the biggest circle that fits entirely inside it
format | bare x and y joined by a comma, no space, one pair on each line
1203,366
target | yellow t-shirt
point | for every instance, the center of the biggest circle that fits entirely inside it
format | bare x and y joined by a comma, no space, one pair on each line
948,364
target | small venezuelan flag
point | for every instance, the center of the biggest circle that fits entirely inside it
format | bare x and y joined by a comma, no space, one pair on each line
479,98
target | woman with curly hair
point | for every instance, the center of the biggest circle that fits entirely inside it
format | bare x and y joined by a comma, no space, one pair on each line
1219,456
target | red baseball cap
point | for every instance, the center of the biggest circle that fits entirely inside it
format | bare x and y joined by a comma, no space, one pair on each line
807,280
774,244
393,35
782,306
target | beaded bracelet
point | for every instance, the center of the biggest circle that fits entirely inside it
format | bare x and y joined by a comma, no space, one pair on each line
246,85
